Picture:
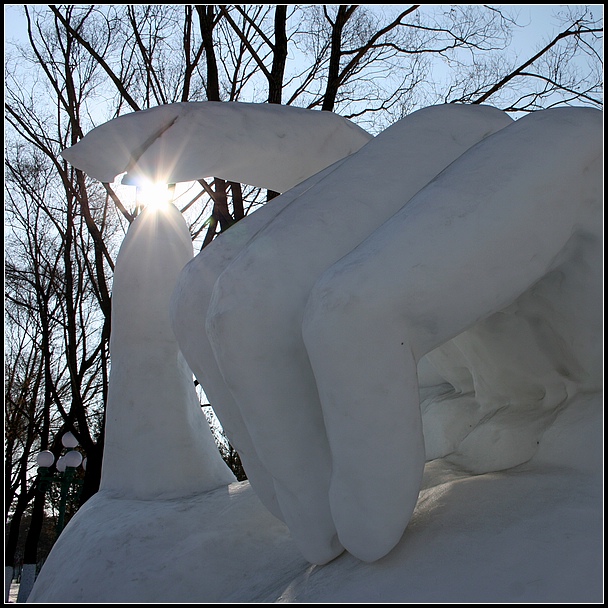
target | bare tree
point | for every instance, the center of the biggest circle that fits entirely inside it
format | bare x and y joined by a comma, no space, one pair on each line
58,273
32,329
568,68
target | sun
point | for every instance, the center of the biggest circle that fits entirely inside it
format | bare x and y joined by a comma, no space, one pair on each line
153,195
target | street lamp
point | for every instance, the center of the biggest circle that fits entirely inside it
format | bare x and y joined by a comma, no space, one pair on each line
66,466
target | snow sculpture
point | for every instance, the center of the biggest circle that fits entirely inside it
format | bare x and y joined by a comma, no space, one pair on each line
455,257
495,227
157,441
318,330
243,142
151,400
282,263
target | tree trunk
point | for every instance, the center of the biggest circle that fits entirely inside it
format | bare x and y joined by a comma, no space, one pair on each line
275,82
205,18
12,538
333,76
30,553
92,476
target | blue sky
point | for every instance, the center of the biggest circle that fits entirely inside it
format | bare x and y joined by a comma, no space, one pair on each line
539,17
542,24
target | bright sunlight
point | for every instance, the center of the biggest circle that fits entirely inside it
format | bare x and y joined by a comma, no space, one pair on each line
153,195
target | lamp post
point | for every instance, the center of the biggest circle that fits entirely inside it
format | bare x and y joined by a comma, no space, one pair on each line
66,466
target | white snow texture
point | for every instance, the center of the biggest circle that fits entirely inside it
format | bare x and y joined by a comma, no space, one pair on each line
152,402
433,295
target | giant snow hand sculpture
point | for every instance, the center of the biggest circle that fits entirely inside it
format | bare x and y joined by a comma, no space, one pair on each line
456,236
318,330
261,294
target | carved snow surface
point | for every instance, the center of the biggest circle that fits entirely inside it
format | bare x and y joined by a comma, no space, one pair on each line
183,142
255,315
157,440
435,295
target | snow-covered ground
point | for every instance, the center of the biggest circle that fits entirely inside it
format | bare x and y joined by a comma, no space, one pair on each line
529,534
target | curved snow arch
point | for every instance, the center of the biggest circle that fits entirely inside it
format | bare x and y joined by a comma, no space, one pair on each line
264,145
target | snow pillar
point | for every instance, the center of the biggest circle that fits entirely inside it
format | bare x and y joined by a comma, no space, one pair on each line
158,443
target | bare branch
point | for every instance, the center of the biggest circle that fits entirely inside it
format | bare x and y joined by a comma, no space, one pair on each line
529,62
119,84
